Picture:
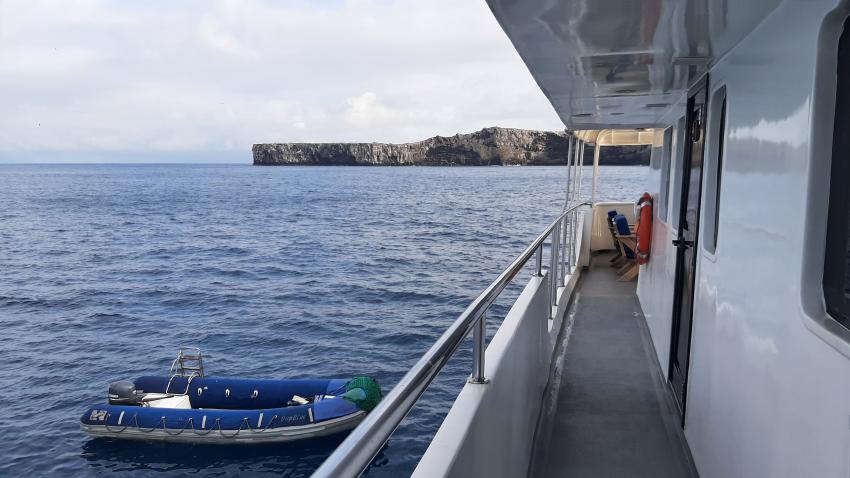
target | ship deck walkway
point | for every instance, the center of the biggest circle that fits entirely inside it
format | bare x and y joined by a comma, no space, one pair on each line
607,410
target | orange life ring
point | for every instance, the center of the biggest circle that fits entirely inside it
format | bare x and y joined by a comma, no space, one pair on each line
643,228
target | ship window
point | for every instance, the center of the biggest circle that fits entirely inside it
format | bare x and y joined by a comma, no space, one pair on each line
679,155
836,268
716,133
664,188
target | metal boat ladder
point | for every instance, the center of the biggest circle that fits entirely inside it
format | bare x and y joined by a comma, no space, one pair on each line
189,364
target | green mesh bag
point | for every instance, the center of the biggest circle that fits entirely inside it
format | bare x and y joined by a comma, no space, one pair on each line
364,392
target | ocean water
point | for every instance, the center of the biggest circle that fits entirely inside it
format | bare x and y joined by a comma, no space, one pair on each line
277,272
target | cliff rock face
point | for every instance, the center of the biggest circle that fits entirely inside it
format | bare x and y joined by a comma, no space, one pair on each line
490,146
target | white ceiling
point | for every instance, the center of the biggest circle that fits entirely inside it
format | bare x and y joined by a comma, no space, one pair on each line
608,63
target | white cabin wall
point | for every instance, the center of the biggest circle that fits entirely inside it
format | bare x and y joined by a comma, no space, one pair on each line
766,396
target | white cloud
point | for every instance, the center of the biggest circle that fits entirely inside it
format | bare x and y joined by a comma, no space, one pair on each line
110,76
211,34
365,110
28,61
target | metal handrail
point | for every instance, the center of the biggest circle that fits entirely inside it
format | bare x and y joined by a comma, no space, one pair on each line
355,453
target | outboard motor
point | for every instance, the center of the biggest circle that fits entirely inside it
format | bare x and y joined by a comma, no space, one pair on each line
124,393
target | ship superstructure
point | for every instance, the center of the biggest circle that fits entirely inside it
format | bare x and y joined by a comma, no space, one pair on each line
730,353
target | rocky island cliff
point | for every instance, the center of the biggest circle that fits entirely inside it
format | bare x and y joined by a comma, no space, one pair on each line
490,146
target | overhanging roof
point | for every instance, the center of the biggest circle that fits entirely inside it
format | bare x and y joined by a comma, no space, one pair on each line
606,63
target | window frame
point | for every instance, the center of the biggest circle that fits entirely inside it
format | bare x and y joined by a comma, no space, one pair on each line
678,154
717,131
664,186
836,270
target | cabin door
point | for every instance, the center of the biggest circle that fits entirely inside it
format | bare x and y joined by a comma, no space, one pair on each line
686,246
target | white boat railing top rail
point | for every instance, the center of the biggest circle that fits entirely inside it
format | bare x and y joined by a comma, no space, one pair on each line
356,452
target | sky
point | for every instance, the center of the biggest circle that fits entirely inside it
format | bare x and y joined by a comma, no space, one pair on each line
201,81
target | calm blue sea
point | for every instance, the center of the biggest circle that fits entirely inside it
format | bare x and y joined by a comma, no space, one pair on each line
273,271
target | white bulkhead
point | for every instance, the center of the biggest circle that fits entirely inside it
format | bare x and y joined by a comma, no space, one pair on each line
767,395
768,392
768,386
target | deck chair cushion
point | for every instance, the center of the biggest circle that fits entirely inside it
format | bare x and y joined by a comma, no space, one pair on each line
622,225
611,215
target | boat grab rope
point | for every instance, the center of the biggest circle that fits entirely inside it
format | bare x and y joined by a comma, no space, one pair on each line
135,420
243,425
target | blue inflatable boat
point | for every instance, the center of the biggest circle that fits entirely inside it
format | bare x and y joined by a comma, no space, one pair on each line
187,406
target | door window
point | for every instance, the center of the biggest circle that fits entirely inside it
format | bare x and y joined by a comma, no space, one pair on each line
836,267
678,152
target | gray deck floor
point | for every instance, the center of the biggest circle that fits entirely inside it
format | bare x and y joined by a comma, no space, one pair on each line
607,411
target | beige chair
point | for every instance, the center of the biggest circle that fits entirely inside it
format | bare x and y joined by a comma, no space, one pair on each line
629,268
626,244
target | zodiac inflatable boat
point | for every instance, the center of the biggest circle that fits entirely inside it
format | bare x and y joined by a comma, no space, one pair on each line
187,406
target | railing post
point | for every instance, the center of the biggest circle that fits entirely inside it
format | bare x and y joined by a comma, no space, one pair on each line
479,347
564,250
596,152
556,250
580,169
539,266
553,267
576,162
570,150
574,254
568,236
